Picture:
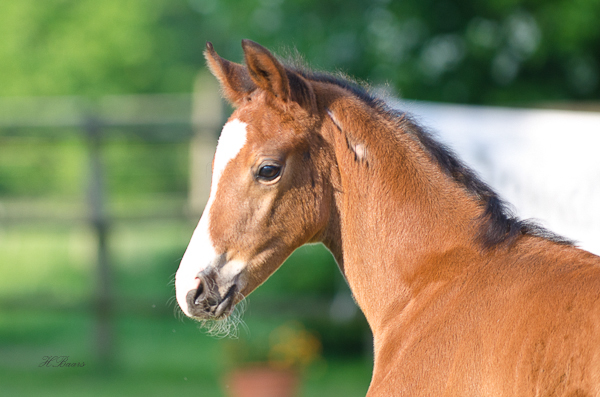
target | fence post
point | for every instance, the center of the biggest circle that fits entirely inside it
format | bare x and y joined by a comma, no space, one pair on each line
100,224
207,117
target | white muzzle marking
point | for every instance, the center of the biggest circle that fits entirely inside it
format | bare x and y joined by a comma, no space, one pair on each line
200,252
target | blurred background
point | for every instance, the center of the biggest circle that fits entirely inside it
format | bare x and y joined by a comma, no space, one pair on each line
108,123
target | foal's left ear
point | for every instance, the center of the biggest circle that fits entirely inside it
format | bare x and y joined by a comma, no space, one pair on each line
265,70
235,81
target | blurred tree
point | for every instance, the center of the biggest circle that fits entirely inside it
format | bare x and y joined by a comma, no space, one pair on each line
500,51
84,47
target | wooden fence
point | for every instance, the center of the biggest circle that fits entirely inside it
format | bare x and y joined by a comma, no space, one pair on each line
195,118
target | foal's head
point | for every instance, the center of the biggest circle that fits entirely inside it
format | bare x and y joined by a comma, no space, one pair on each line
268,195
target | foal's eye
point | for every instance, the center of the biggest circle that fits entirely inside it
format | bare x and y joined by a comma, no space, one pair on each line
269,172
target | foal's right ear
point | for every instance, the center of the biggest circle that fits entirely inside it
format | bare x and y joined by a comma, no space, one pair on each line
234,78
270,75
266,71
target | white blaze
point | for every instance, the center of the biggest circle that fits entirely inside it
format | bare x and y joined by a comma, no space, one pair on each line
200,251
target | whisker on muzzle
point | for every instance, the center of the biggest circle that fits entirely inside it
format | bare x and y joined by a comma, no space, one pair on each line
229,326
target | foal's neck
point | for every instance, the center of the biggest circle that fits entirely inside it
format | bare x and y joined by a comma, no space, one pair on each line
404,225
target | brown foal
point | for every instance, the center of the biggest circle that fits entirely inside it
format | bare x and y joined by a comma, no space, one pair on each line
463,298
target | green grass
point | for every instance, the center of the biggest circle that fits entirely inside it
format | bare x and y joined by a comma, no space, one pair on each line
154,355
44,260
46,295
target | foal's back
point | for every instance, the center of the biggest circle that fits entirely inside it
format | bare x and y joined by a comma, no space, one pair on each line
524,321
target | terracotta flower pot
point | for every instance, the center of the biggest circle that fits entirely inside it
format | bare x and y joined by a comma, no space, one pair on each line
261,381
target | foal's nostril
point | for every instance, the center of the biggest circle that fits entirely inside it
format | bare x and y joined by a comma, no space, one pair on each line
197,301
200,292
202,298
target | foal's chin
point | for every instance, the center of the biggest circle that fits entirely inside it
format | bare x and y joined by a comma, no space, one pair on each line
208,316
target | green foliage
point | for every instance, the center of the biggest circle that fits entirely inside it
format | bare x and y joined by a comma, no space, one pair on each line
469,51
310,269
63,47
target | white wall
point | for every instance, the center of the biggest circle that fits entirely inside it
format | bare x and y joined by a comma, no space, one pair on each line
546,163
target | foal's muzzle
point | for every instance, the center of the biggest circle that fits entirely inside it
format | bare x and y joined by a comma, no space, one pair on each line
206,301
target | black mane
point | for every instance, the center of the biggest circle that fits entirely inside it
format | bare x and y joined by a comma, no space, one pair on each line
498,224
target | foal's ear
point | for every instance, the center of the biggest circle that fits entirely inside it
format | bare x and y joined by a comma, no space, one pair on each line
265,70
270,75
234,78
